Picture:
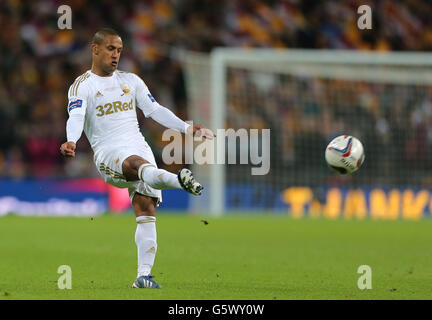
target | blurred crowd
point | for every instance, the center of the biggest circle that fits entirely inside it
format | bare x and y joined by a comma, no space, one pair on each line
38,63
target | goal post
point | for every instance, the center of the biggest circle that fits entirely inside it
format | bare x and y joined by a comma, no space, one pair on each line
305,97
217,181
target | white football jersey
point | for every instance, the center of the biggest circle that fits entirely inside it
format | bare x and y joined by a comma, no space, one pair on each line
109,106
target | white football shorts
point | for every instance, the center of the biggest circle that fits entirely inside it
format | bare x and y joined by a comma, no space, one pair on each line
109,162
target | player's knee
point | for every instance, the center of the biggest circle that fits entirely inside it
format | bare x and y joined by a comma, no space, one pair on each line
132,163
130,167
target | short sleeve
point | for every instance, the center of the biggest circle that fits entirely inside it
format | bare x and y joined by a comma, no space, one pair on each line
78,96
144,99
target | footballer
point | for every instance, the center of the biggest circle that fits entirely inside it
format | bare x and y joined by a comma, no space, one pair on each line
102,103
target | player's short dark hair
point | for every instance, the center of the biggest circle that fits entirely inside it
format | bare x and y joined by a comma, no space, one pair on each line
99,36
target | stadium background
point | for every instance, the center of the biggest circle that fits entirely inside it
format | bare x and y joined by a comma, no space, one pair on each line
38,62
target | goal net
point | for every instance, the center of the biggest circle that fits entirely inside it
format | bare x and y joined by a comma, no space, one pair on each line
306,98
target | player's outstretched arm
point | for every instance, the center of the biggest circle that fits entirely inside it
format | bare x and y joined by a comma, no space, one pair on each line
164,116
168,119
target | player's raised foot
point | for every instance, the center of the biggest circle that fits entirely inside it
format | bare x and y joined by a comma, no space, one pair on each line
188,182
145,282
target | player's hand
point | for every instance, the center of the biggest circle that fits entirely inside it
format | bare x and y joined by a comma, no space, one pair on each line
198,130
68,149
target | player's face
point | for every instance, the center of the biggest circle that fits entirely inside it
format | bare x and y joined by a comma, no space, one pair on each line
107,54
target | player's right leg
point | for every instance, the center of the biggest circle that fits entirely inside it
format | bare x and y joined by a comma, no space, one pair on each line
136,168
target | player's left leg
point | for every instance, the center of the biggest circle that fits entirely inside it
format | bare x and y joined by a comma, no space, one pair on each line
145,239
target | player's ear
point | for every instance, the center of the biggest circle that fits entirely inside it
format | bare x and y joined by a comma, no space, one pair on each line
95,49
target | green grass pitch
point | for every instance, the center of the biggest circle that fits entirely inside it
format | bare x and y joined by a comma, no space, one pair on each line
234,257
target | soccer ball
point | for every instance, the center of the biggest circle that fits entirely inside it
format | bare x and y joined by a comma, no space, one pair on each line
345,154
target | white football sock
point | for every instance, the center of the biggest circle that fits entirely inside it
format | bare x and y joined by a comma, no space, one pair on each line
158,178
145,239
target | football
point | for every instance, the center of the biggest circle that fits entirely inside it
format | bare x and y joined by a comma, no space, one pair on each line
345,154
